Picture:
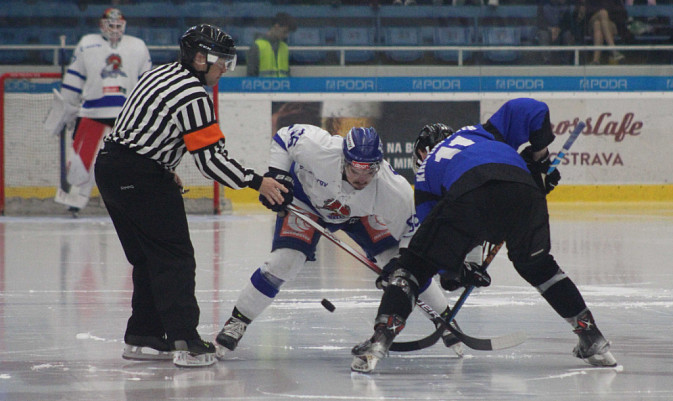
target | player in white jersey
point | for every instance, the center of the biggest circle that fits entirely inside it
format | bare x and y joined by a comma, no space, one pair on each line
104,70
344,184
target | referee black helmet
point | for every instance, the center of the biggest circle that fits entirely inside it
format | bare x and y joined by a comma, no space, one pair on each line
209,40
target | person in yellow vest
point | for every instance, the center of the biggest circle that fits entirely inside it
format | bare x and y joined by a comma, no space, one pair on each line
269,56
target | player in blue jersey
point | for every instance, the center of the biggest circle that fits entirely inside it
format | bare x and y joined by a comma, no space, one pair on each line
472,187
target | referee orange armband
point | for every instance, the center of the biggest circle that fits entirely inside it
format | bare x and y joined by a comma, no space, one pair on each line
204,137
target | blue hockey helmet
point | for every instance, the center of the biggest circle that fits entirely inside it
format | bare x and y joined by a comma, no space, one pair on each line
363,148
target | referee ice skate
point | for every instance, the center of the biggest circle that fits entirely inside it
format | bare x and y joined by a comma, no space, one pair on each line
168,114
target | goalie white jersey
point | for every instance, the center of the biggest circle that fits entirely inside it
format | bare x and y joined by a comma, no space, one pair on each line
315,159
100,77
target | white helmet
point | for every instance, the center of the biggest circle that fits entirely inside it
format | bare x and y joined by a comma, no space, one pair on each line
112,25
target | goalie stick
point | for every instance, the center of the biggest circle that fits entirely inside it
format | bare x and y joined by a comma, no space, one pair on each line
506,341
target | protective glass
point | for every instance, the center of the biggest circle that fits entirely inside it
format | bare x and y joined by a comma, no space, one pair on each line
224,61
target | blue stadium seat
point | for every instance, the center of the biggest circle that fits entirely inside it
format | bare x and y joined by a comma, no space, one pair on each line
246,37
162,37
402,36
501,36
357,36
12,36
51,36
453,36
307,37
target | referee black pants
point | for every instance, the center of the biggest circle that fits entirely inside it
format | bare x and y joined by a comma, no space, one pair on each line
148,213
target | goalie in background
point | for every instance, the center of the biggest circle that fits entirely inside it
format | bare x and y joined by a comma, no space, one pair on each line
104,69
473,187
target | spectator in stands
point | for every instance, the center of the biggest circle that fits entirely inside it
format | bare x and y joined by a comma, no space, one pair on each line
603,20
269,56
555,27
104,70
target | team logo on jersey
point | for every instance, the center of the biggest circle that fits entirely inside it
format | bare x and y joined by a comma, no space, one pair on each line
113,67
376,229
336,208
297,228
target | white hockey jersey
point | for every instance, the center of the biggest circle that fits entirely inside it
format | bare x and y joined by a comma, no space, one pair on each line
315,158
100,77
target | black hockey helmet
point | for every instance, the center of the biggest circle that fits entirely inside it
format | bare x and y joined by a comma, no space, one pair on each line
428,138
211,41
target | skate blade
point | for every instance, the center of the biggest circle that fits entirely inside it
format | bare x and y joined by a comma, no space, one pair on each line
604,360
186,359
364,363
220,352
136,353
458,349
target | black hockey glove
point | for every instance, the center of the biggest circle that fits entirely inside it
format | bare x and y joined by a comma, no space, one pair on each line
287,181
388,269
538,169
470,274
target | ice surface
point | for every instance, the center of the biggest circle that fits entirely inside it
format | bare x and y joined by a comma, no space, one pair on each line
65,290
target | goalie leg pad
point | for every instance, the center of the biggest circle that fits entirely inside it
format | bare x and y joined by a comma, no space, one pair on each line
87,137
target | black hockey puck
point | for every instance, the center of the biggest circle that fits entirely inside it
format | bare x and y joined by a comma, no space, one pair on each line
328,305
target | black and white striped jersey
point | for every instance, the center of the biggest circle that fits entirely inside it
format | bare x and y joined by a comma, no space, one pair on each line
169,113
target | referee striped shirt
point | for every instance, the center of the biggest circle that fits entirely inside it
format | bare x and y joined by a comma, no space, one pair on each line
170,113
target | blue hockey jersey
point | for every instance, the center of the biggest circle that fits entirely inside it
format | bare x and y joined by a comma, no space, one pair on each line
474,155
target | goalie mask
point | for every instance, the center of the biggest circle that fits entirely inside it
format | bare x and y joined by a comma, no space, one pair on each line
210,40
112,25
427,139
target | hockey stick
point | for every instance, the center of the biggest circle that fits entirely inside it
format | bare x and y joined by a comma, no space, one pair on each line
506,341
434,337
566,146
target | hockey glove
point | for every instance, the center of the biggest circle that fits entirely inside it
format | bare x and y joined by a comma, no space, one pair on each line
538,169
470,274
382,279
287,181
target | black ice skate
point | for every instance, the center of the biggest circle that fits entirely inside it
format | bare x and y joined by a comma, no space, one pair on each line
593,348
146,348
230,335
193,353
367,354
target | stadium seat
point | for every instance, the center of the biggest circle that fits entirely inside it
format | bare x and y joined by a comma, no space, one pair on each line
453,36
357,36
402,36
51,36
162,37
501,36
307,37
12,36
